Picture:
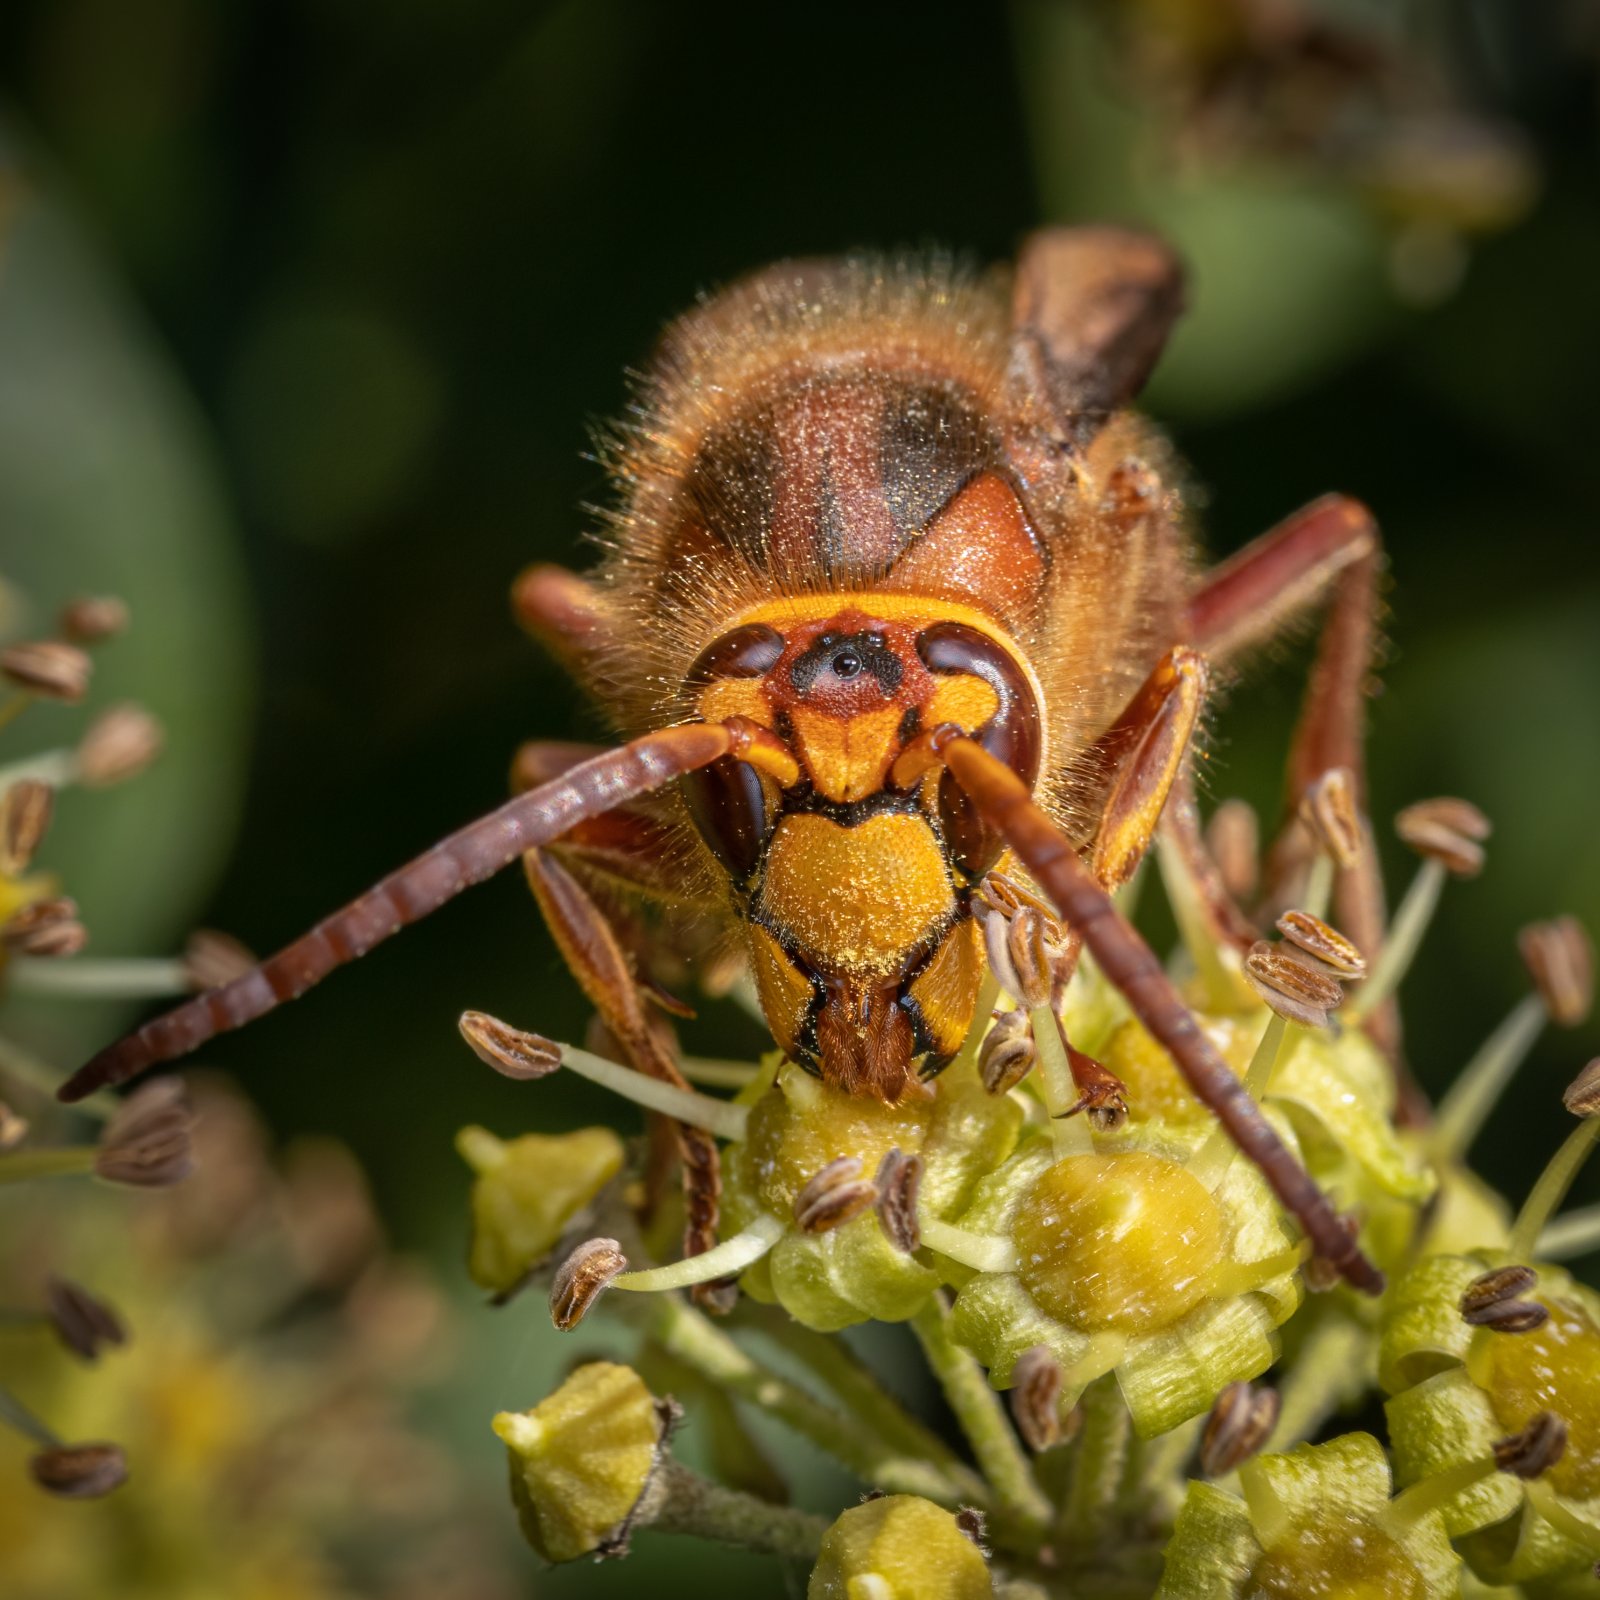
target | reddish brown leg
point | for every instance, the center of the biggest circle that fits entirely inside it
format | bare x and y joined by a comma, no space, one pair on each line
1329,552
1128,963
473,854
561,610
597,959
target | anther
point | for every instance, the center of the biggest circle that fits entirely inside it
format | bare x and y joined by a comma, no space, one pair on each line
119,744
1233,837
79,1471
971,1524
1560,958
1290,987
211,959
1533,1451
92,618
13,1128
1240,1423
1035,1398
1328,808
899,1181
84,1323
1492,1300
147,1143
1007,1053
1326,945
834,1196
48,668
582,1278
1448,831
47,928
25,811
1582,1096
510,1051
1022,954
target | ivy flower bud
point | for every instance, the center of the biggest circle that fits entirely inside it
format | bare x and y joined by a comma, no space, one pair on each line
1327,947
119,744
527,1193
84,1323
791,1171
583,1459
1317,1521
1461,1385
1125,1260
148,1142
899,1547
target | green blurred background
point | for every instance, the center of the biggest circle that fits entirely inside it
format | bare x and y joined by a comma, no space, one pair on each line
308,306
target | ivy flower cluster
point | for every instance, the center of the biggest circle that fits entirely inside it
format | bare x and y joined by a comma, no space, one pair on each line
1146,1363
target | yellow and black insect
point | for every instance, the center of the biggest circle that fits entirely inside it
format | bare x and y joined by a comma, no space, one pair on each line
896,591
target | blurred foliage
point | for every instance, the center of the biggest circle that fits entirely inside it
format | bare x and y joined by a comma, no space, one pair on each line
401,256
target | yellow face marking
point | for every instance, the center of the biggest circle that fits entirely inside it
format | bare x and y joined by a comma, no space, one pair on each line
783,990
914,610
946,990
859,898
966,701
848,757
735,697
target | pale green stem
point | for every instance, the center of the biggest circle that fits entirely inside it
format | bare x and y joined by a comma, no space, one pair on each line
1070,1134
983,1252
1210,1163
1163,1459
1407,1509
1575,1234
58,768
18,1416
21,1166
721,1261
1098,1458
1551,1189
852,1382
692,1337
1319,885
1329,1373
135,978
983,1419
1224,988
1548,1504
720,1117
1465,1109
688,1503
718,1074
1411,919
13,706
1268,1515
24,1068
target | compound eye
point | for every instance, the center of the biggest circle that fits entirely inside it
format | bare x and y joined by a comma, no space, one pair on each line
1013,735
748,652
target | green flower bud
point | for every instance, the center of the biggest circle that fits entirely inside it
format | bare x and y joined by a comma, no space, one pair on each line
1456,1388
582,1460
1124,1259
1315,1522
527,1192
1337,1090
899,1547
851,1273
